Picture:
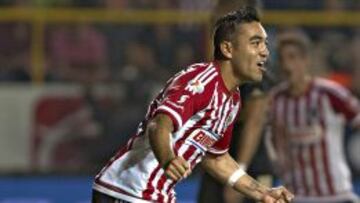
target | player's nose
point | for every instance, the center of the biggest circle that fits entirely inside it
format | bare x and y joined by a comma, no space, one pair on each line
265,52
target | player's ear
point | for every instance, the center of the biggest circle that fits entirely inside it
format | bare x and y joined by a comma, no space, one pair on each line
226,49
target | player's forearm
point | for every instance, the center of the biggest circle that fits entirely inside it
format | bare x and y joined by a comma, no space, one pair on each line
159,131
223,167
251,188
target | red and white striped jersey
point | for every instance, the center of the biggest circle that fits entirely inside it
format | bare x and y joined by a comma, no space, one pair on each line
203,112
307,135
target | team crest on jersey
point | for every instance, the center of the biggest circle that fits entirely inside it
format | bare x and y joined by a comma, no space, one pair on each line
195,87
201,139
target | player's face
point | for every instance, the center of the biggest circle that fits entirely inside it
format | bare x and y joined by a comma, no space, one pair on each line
250,52
293,62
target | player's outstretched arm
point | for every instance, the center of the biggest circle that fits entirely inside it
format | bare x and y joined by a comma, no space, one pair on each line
227,171
159,131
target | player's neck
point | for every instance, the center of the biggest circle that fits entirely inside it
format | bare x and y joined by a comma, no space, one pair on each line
300,85
227,74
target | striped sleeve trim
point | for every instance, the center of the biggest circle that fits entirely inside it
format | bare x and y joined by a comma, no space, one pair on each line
175,117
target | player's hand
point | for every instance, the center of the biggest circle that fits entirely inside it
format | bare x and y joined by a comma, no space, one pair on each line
177,168
279,194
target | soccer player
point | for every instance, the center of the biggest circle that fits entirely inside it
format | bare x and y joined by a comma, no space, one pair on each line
307,120
191,122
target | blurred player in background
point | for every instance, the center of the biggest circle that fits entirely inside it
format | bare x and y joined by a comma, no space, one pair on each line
307,118
191,121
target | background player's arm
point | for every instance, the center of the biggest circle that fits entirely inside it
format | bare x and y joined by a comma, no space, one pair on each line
159,130
251,133
250,136
223,166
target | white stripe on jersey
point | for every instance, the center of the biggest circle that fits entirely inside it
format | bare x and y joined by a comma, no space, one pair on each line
213,104
224,116
290,112
172,112
188,124
211,69
306,154
337,165
207,70
220,111
210,78
302,112
320,168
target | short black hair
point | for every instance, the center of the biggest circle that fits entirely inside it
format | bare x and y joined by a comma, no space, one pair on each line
225,27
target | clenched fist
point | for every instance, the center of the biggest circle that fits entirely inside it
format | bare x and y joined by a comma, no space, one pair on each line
177,168
278,195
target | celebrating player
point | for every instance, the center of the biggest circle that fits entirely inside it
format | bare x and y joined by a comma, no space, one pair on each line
191,122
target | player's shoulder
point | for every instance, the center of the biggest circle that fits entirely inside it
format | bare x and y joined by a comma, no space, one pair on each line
330,87
196,77
194,71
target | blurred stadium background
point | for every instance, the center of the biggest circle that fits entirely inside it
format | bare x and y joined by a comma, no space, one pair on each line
76,76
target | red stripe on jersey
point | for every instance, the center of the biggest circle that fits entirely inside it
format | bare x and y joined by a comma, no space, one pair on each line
301,161
189,152
160,187
149,188
314,170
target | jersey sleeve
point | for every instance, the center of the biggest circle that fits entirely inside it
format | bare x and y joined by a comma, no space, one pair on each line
345,103
178,102
223,144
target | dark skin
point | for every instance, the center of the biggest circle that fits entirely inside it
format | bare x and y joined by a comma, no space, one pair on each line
245,56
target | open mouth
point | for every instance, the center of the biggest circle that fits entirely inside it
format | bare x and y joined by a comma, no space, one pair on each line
261,65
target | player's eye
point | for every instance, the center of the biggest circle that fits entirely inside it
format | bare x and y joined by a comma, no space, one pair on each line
255,42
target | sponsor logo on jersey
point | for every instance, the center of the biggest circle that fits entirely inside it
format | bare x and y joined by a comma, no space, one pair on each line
201,139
